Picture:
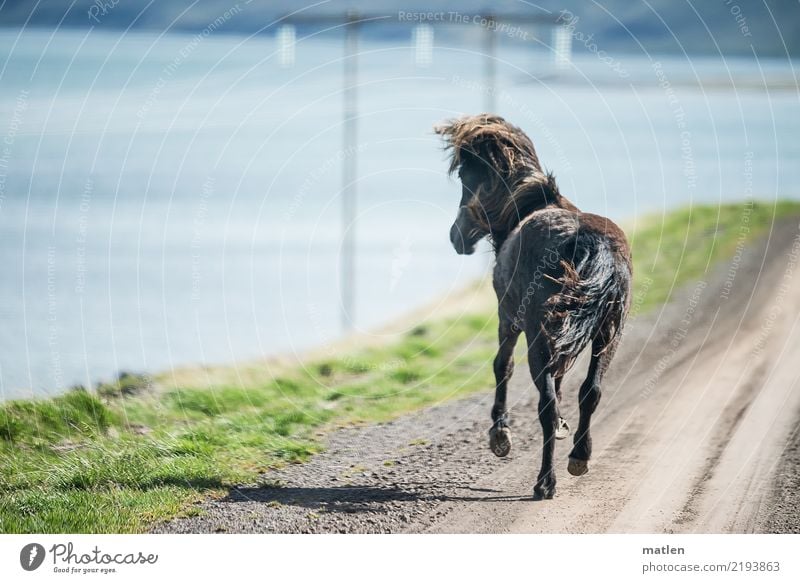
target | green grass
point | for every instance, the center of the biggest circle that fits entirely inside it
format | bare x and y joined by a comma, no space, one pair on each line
139,449
685,244
82,463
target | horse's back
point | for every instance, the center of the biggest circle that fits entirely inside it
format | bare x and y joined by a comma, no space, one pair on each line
529,261
557,257
562,226
551,230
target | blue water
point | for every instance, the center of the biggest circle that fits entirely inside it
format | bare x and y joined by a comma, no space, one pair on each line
159,210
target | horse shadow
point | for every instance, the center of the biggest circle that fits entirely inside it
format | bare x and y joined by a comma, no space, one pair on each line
358,498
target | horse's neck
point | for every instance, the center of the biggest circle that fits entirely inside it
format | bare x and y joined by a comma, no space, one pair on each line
561,202
566,204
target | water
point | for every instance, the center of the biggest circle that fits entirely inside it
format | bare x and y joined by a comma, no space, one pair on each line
166,203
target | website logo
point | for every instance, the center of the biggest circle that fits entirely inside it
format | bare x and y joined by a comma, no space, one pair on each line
31,556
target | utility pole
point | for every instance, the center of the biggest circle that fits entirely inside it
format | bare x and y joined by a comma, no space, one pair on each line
350,139
423,35
489,63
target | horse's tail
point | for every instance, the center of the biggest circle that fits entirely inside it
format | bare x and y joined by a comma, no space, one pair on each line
592,303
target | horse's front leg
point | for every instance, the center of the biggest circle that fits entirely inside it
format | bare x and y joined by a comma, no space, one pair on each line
538,359
500,434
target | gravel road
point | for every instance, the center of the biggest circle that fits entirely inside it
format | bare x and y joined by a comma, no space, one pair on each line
697,431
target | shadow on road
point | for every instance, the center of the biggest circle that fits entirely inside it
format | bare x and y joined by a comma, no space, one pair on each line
366,498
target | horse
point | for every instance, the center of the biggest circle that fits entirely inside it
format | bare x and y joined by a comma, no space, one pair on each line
562,276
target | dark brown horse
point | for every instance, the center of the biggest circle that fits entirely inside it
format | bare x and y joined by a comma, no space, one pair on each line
561,276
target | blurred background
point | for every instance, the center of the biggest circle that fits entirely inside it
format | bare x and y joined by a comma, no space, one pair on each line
195,183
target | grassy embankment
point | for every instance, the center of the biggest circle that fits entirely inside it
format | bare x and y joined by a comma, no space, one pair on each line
124,455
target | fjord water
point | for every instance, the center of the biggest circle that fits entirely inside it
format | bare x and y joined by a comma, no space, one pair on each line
165,202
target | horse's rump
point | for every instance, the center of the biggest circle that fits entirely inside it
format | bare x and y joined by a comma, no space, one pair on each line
592,301
574,268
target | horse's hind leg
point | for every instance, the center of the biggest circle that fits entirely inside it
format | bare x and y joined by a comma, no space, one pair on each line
538,360
589,397
562,431
500,434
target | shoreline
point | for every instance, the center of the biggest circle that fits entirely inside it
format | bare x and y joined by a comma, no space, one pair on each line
139,452
473,298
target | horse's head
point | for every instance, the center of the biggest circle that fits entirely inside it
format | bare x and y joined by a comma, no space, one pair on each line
490,156
468,229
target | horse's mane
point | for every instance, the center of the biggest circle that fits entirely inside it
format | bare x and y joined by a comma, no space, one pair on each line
514,183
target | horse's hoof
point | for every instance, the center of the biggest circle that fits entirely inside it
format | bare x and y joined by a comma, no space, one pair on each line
577,467
544,491
562,431
500,440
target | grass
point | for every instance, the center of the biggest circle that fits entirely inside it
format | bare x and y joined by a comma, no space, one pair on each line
89,463
683,245
140,449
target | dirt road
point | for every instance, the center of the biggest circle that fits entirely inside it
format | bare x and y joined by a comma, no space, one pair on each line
697,431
